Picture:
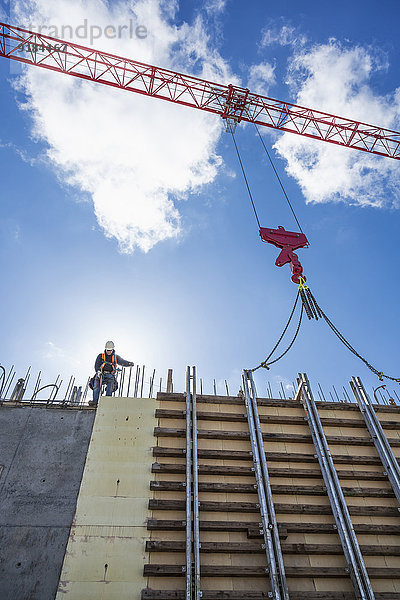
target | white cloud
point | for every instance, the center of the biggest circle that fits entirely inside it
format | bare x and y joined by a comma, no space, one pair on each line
337,80
215,6
11,231
278,382
261,77
52,352
286,35
133,155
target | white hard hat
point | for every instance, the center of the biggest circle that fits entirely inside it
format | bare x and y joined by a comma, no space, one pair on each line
109,346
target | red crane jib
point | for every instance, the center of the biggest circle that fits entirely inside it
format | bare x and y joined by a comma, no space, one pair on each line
288,241
229,101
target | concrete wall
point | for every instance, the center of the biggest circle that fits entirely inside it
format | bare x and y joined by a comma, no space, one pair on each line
106,548
42,452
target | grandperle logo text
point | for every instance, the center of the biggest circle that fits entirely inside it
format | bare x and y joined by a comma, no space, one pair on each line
87,31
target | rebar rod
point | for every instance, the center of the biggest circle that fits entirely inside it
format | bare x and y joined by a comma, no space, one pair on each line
121,384
67,390
141,389
9,385
152,383
5,388
3,380
129,381
137,378
85,391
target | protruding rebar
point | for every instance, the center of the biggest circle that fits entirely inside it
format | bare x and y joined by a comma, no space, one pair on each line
141,389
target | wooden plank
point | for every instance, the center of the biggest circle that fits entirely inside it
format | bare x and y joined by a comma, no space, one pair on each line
179,505
208,399
207,547
274,419
249,488
271,456
256,571
149,594
176,525
331,528
322,509
258,548
219,434
273,472
216,454
252,507
252,528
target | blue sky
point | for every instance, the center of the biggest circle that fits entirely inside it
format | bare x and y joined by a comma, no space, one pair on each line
127,218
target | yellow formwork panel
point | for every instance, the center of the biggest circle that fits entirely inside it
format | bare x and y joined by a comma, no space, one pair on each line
106,548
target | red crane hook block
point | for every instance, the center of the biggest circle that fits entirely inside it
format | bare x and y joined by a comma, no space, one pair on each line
288,241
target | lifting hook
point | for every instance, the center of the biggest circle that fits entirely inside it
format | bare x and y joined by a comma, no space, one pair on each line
288,241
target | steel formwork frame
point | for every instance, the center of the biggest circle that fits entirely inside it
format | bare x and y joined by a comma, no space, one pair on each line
273,551
193,589
358,572
188,490
378,436
231,102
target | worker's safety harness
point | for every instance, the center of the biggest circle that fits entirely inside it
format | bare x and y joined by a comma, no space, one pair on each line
108,364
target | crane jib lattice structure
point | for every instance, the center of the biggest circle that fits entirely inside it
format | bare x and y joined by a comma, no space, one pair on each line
228,101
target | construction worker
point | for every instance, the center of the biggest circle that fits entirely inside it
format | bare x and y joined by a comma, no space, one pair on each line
106,368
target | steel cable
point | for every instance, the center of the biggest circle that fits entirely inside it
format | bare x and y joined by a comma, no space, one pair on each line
245,178
265,364
346,343
278,178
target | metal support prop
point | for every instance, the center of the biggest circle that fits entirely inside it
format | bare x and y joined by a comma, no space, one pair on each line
192,491
351,549
270,531
188,490
196,502
378,436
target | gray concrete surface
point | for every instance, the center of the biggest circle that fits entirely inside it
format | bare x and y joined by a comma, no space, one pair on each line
42,452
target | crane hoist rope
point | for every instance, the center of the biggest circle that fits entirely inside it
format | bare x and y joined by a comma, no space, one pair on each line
245,179
289,241
278,178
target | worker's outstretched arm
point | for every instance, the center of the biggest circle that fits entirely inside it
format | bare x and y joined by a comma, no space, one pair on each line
123,362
